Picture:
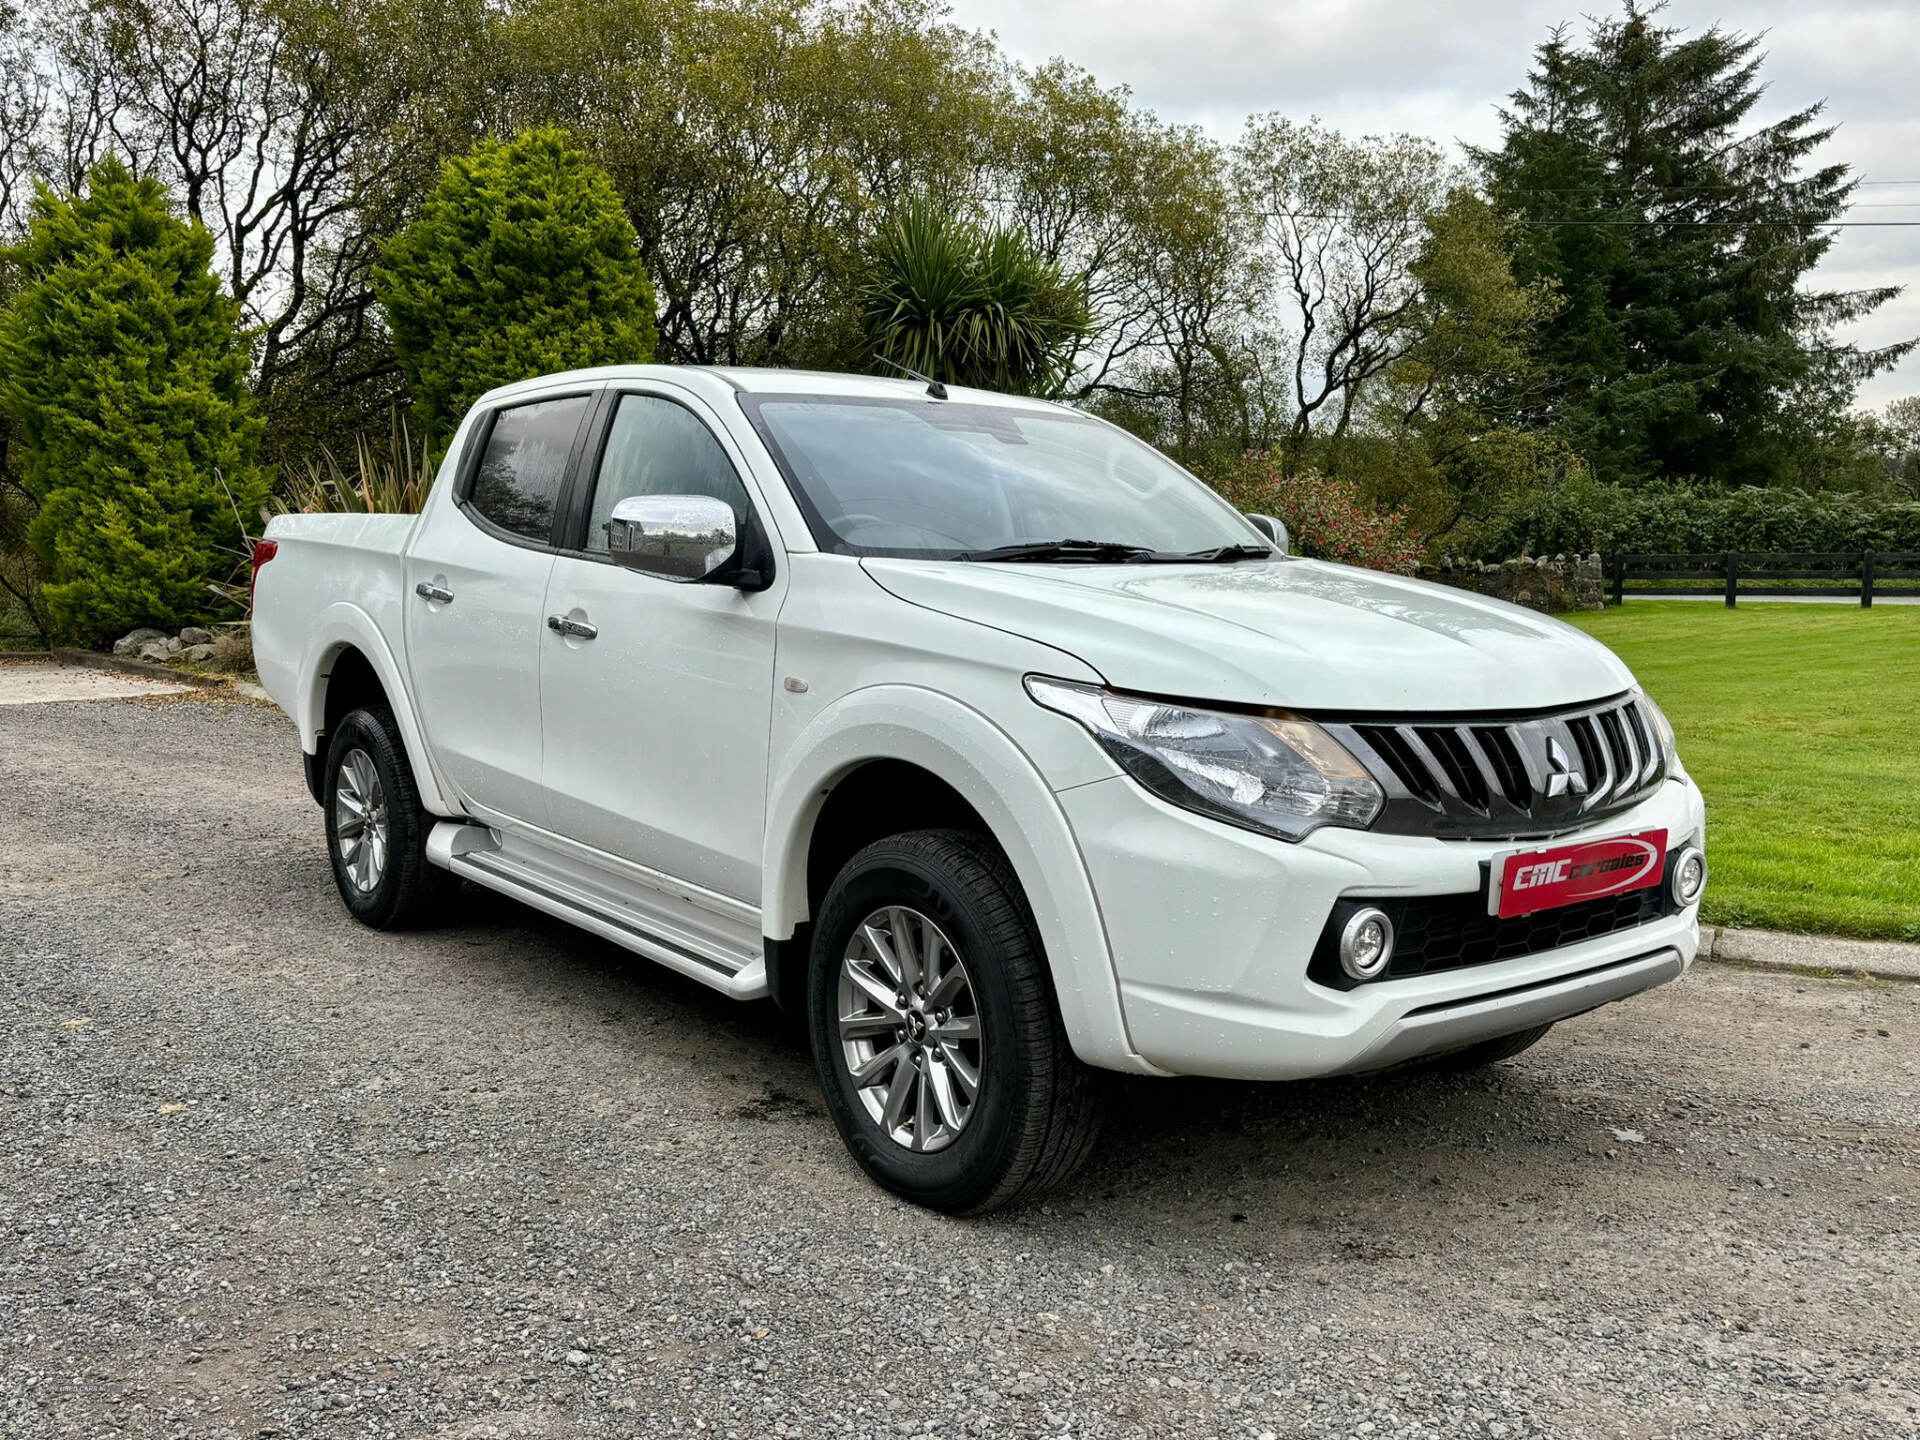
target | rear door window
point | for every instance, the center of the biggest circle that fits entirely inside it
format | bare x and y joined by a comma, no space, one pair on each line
517,483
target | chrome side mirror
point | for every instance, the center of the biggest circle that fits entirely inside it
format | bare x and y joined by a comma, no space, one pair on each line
1272,529
677,537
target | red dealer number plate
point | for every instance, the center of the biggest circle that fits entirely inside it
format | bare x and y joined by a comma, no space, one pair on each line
1567,874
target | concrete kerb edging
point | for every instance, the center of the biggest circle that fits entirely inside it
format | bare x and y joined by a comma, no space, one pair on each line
1810,954
233,685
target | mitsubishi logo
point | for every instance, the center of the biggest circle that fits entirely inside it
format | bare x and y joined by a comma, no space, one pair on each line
1565,780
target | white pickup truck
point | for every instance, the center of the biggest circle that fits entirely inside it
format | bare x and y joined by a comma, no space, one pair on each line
983,735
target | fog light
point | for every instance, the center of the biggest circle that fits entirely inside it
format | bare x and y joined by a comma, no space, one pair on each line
1689,876
1366,944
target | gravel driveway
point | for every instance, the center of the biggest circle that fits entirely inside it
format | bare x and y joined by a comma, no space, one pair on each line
264,1173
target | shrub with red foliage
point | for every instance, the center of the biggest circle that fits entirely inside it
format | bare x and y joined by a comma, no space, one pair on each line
1327,518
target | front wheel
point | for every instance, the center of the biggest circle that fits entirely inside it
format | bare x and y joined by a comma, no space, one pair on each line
934,1030
376,827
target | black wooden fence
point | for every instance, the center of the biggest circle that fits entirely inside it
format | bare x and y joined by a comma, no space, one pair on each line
1865,573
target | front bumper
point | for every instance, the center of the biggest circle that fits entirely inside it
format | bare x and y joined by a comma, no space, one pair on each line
1212,931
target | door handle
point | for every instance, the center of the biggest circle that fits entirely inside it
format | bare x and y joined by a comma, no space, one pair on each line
578,629
427,590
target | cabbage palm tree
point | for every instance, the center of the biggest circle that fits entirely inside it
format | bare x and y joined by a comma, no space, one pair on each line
971,305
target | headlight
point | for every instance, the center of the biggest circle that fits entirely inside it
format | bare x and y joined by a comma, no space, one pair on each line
1662,731
1277,774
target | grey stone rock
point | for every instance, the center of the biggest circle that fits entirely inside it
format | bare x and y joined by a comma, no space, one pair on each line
194,635
133,641
156,651
197,654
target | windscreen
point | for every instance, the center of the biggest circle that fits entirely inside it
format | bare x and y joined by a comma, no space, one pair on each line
940,480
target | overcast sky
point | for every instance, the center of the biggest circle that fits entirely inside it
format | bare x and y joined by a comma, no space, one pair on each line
1439,67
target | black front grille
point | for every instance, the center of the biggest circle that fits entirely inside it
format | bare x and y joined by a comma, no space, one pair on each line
1509,769
1490,776
1452,932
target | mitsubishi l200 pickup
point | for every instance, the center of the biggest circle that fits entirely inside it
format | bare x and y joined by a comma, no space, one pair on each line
982,735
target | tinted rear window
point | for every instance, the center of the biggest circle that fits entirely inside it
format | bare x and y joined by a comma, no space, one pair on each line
518,480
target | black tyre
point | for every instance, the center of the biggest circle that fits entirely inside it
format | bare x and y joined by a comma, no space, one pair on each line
934,1028
1490,1052
376,828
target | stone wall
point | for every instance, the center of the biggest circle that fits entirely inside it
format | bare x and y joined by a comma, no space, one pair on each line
1565,582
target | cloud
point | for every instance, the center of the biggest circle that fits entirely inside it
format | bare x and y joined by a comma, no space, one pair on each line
1441,68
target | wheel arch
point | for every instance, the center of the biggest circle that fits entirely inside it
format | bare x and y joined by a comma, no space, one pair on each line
867,803
951,763
349,662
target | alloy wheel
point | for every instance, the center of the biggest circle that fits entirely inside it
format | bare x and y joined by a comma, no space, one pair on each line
360,822
910,1032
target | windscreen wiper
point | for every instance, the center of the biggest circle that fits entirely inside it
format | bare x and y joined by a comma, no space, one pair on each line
1218,553
1105,551
1091,551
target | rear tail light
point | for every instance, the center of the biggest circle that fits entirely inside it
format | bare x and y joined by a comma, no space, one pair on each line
263,551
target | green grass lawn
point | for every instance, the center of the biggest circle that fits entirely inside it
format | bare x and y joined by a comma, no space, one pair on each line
1801,724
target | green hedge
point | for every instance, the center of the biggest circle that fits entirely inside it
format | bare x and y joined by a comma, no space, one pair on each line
1580,519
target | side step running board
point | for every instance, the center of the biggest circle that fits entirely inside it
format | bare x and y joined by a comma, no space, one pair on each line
475,853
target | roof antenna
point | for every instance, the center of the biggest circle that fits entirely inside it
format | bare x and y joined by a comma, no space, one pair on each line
934,387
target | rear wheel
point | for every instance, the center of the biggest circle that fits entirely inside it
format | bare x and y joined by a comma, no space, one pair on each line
376,828
1490,1052
934,1030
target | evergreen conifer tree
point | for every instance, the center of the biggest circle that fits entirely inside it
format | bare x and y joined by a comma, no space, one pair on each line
125,379
1679,235
521,263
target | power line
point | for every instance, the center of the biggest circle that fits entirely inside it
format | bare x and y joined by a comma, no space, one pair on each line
1674,224
1735,224
1685,189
